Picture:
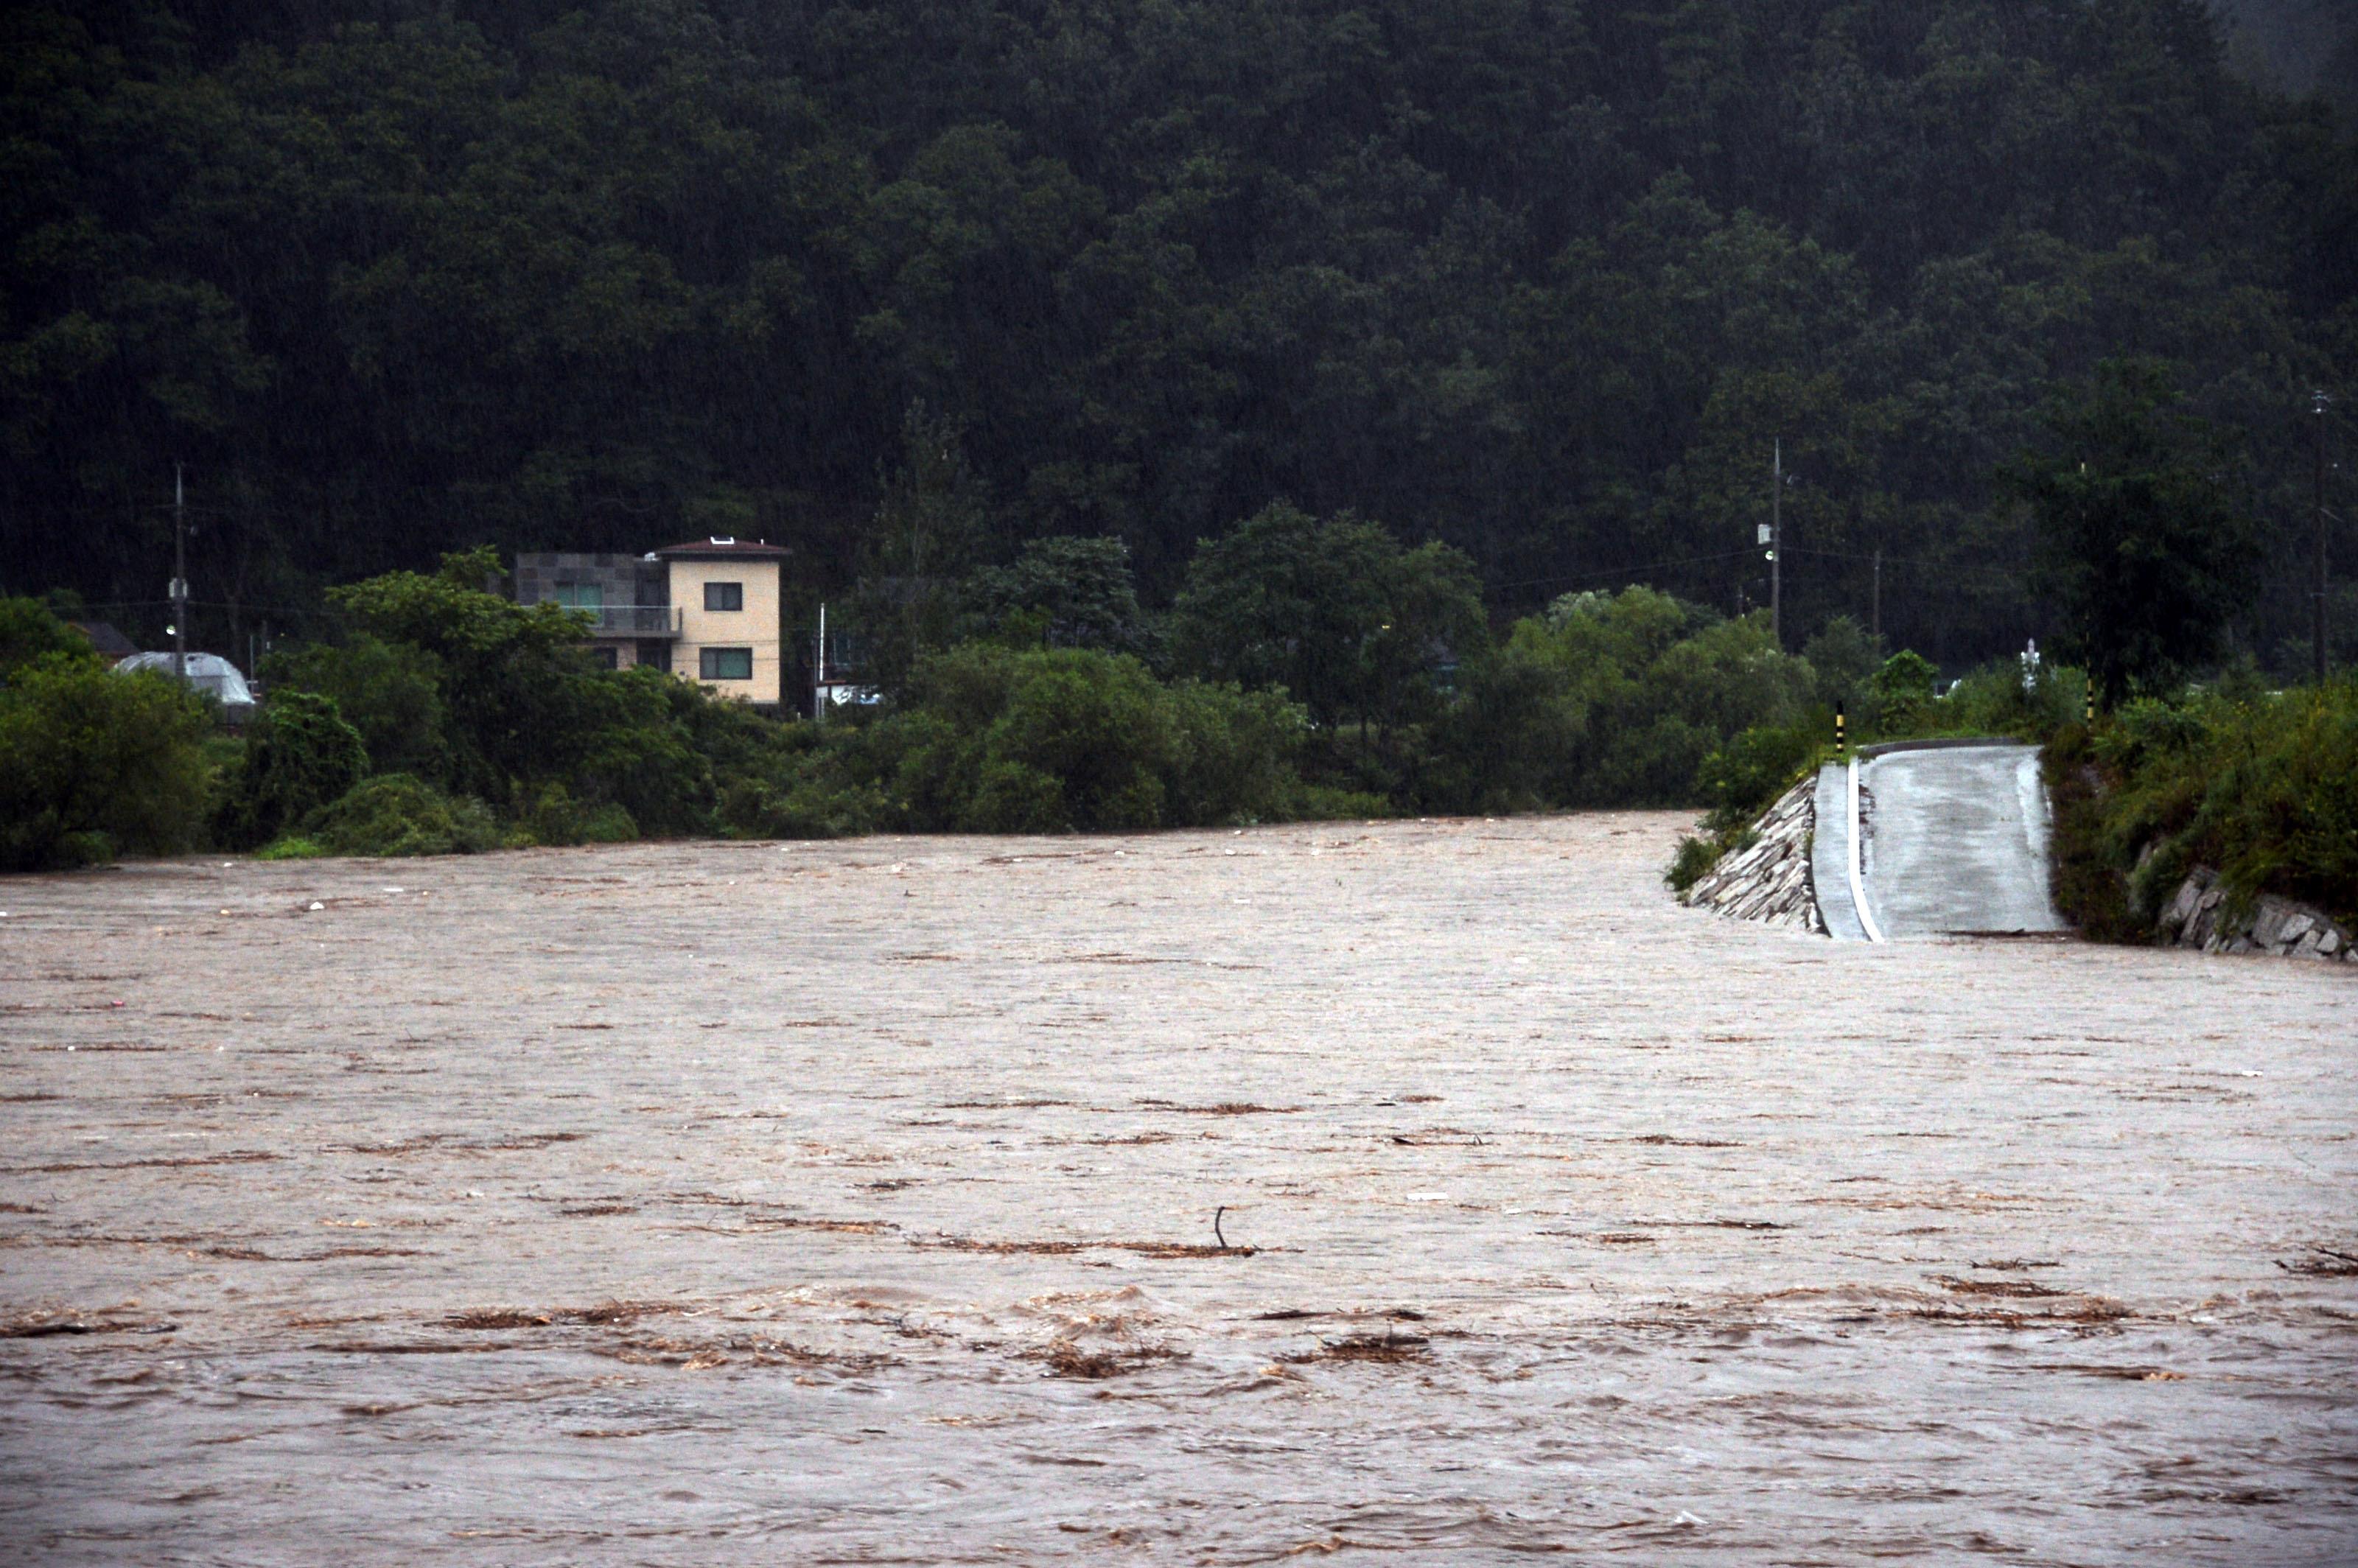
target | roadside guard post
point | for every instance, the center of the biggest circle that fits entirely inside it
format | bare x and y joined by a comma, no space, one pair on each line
2090,718
1840,744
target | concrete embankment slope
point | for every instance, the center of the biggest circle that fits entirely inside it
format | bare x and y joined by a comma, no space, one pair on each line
1770,880
1954,838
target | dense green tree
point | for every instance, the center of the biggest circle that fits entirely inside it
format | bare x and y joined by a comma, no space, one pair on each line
93,764
2142,541
995,738
1610,699
1333,610
1841,655
1071,592
300,755
390,692
932,523
508,690
28,631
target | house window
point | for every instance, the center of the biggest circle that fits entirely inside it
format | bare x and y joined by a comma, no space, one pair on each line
607,658
724,596
581,595
725,663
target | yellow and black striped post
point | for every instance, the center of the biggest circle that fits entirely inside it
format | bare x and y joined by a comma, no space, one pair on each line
1840,740
2091,720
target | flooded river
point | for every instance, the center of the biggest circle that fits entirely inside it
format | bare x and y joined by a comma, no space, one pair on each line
857,1203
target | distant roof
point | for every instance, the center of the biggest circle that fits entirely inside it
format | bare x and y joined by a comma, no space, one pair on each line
711,549
208,673
110,643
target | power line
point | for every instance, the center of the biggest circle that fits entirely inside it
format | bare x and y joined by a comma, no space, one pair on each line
202,604
1871,555
1618,571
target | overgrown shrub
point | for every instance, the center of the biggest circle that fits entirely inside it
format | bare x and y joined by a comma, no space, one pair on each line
389,692
1325,803
395,814
805,806
1697,854
299,756
94,765
999,740
550,815
1233,759
1744,777
1900,691
1997,700
2088,884
1081,740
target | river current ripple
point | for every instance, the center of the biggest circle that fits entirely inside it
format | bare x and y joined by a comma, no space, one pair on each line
856,1203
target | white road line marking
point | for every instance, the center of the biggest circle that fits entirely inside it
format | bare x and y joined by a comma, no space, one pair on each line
1857,885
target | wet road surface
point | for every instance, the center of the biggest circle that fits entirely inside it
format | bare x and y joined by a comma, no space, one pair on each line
1955,840
854,1203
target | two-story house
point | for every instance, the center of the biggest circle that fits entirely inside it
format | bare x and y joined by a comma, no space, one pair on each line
708,610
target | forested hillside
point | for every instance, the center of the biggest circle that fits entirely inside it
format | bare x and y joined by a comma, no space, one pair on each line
1540,279
2303,46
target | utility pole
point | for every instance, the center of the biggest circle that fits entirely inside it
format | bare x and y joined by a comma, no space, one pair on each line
2318,404
179,579
1875,624
818,669
1777,546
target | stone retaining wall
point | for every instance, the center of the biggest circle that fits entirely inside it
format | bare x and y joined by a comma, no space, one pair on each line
1771,881
2198,918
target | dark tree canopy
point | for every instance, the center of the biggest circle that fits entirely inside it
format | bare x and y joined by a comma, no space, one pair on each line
2141,543
1542,280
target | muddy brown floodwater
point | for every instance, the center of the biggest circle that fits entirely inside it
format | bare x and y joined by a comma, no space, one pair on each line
734,1202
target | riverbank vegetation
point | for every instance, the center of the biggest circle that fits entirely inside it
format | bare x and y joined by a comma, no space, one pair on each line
2260,786
475,721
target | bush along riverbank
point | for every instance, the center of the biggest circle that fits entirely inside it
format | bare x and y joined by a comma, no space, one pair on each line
2247,797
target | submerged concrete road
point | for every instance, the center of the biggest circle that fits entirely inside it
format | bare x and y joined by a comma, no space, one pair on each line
1955,840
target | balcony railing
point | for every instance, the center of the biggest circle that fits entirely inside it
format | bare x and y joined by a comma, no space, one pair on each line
634,620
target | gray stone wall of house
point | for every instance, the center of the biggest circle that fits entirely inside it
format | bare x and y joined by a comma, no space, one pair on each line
2197,916
624,579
